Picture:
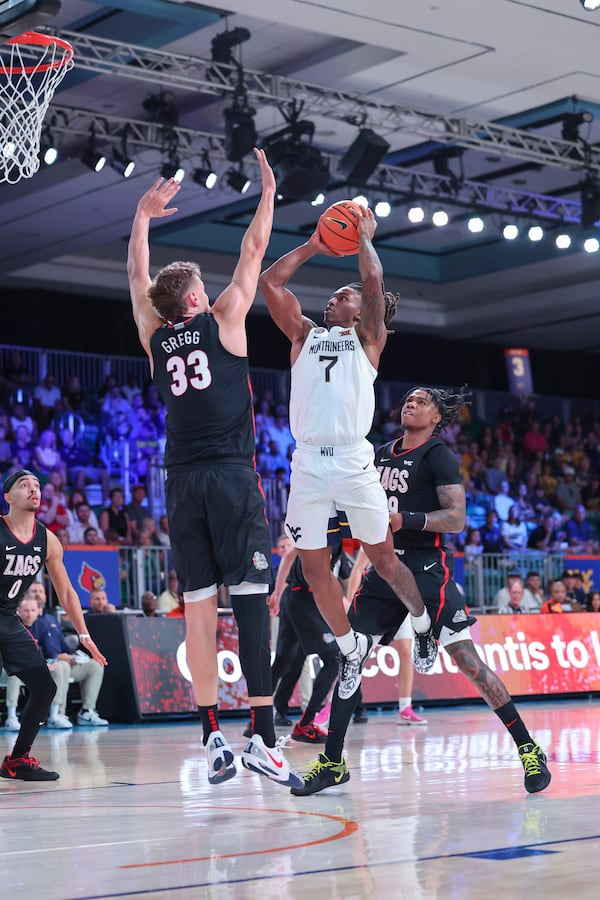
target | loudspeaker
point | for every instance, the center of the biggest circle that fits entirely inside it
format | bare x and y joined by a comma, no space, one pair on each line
363,156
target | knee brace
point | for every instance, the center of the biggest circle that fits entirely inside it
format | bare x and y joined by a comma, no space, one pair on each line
252,616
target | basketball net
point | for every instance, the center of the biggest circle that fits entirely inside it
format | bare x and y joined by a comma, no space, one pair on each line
32,66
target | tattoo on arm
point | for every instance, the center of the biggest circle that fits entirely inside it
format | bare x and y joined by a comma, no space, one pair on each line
451,516
487,682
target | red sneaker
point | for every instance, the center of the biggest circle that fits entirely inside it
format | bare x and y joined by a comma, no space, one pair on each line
309,734
25,768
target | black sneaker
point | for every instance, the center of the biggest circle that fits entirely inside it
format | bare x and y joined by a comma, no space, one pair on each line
351,666
425,651
280,721
324,774
26,768
537,773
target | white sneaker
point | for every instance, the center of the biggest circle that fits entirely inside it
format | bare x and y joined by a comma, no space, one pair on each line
90,717
270,761
351,666
220,759
12,724
59,721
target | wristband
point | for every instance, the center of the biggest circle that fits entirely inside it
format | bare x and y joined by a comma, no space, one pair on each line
84,637
414,521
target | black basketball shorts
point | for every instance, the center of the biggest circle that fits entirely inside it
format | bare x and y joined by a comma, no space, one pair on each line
218,526
18,649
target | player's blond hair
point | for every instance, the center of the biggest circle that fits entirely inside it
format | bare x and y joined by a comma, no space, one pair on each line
169,288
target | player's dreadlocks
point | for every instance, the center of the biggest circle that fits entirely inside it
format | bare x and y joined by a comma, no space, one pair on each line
391,301
448,403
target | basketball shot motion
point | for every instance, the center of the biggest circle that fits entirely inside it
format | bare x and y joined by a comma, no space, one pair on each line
32,65
338,227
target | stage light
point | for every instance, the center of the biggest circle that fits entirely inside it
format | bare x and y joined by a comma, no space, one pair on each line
205,175
121,163
440,218
48,149
382,209
571,123
238,180
222,45
301,171
510,232
319,200
361,200
535,233
240,130
590,5
591,245
171,168
416,214
475,224
590,203
563,241
90,156
362,157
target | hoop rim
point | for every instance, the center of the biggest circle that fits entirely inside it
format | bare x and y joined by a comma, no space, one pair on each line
35,38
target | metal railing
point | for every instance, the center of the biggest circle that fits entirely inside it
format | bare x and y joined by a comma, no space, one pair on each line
486,574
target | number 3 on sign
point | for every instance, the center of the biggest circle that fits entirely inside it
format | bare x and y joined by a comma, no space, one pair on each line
518,366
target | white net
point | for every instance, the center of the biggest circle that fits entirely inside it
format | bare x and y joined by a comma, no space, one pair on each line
30,71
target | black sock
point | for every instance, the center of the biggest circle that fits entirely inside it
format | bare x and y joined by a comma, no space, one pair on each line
262,724
339,719
210,721
514,724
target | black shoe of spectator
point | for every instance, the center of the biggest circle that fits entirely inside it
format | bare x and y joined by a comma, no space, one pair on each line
281,721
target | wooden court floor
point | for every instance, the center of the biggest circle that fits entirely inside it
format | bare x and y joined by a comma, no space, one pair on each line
435,811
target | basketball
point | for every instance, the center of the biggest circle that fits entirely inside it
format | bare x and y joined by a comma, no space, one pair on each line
338,227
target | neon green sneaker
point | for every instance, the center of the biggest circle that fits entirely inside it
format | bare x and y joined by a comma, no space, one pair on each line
324,773
537,773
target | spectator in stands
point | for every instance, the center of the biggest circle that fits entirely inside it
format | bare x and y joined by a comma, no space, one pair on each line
557,602
568,493
503,501
45,455
149,603
473,546
502,597
99,602
514,532
280,430
169,599
494,475
22,449
72,395
51,511
63,535
580,534
137,510
5,449
549,537
593,601
491,535
46,401
549,482
82,467
534,441
92,537
523,504
574,590
263,416
131,387
533,596
179,611
164,538
83,521
115,519
15,377
21,419
590,494
515,599
539,502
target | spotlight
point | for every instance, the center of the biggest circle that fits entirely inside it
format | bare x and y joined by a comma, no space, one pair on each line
236,179
300,169
475,224
535,233
383,209
162,108
222,45
363,156
90,156
319,200
590,4
440,218
48,149
361,200
171,168
121,163
563,241
416,214
591,245
590,202
206,176
510,232
571,123
240,130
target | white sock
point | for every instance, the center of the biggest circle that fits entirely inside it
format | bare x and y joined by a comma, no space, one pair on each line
403,702
11,712
53,711
347,643
421,623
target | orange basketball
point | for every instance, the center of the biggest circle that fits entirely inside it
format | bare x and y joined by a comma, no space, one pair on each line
338,227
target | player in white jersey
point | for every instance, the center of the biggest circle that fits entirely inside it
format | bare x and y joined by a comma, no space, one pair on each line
331,411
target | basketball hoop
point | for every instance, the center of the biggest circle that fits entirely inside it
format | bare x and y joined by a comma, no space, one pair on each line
35,66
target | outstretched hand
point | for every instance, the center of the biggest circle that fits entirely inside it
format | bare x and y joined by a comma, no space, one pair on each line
266,172
155,202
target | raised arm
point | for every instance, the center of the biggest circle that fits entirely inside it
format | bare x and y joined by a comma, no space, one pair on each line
232,306
153,204
371,328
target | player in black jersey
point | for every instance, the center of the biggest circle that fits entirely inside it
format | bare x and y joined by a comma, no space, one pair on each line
217,521
26,546
426,499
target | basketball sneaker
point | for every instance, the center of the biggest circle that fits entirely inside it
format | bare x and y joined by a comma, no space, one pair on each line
12,724
351,666
26,768
59,721
309,734
221,761
270,761
537,773
408,716
324,774
425,651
